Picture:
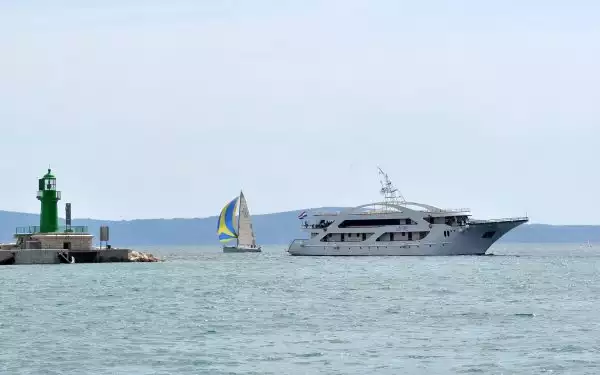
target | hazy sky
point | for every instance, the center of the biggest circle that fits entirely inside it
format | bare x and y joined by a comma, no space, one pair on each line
151,110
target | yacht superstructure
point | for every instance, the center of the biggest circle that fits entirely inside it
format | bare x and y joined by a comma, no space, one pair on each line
397,227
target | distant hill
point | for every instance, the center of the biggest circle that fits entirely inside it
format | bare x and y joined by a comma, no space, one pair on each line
276,228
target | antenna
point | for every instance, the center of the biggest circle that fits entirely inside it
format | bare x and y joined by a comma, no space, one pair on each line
388,190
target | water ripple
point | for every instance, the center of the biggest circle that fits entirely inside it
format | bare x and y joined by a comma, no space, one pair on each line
214,313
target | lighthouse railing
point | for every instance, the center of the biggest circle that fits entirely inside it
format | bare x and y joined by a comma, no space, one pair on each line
61,229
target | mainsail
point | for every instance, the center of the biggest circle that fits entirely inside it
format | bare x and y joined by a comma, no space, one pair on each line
235,222
245,233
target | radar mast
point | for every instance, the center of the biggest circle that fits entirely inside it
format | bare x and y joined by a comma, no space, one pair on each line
388,190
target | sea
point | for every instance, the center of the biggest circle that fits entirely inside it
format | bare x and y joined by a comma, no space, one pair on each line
527,309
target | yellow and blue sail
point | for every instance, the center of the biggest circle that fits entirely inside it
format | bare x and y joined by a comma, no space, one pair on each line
226,228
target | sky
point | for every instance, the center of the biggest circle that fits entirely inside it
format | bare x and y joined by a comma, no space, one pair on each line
145,109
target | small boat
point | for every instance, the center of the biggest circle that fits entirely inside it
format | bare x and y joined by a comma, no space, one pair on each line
235,223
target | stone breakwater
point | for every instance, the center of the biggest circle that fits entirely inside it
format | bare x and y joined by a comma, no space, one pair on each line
138,256
56,256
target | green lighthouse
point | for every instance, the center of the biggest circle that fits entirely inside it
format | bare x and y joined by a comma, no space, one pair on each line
49,197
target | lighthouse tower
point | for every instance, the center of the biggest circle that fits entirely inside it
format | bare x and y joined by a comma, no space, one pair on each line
49,197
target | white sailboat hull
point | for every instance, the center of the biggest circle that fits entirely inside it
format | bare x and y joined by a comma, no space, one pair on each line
241,249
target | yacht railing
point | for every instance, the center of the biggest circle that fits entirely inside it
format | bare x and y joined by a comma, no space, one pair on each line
452,210
315,225
436,211
503,220
325,213
384,211
376,212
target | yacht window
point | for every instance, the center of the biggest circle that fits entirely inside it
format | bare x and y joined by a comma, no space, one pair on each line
488,234
369,223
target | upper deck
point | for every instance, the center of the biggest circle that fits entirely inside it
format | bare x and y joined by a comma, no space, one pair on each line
394,207
384,208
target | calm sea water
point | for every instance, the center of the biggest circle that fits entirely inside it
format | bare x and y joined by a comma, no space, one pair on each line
533,309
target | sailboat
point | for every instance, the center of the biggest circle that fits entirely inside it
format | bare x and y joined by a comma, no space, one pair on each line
235,223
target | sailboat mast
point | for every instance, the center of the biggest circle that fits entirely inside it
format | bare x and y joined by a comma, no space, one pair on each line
239,210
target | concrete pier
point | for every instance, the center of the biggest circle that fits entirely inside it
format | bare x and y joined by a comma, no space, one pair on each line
56,256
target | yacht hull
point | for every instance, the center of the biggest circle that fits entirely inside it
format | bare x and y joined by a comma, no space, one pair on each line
471,240
235,249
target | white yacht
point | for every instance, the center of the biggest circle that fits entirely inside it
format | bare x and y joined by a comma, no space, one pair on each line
398,227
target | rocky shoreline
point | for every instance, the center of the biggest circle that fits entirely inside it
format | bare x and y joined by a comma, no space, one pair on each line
138,256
